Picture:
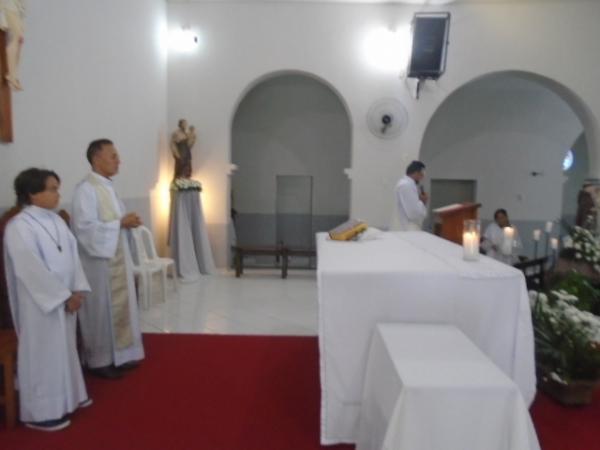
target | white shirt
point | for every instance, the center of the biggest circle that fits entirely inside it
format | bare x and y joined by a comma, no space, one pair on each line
411,211
494,237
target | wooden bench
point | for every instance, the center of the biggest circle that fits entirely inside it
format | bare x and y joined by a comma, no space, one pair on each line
280,252
241,251
296,251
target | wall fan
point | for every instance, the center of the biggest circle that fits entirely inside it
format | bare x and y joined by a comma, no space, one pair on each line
387,118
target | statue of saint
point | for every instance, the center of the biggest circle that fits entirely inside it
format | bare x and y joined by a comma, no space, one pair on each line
12,13
588,205
182,141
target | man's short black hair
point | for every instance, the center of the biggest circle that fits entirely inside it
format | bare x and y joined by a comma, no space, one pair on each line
500,211
31,181
95,147
414,167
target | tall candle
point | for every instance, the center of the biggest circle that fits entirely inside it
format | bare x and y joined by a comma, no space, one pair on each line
537,234
549,227
507,242
470,245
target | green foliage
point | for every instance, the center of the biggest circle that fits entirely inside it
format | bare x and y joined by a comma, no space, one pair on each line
580,286
565,338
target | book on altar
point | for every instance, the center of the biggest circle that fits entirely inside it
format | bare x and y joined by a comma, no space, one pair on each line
348,230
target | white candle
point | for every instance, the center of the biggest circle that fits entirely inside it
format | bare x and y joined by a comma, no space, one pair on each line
549,227
470,245
554,243
537,234
507,242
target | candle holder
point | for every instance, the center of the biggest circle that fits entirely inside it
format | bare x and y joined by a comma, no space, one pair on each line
471,237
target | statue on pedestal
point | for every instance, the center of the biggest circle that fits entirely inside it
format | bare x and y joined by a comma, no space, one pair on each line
12,13
588,205
182,141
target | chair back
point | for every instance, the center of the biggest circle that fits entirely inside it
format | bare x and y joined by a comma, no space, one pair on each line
535,272
140,253
148,242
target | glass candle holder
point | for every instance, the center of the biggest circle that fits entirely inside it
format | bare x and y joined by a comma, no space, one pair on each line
471,236
508,241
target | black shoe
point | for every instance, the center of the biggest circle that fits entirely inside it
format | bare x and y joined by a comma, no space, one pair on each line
129,365
49,425
106,372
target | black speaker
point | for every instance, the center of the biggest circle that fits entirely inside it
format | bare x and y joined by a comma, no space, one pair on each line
430,41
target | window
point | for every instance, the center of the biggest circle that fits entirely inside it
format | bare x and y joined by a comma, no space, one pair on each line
568,161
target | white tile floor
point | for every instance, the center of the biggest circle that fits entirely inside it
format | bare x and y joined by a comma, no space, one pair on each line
259,302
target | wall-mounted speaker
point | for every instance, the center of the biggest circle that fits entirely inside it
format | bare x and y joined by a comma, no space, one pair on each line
430,42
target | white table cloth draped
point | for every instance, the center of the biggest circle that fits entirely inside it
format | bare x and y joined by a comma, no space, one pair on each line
188,236
428,387
411,277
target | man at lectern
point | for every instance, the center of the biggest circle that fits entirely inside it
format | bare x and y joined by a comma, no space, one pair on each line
411,200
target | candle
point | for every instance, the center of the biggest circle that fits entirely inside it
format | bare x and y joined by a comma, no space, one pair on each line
507,242
554,244
536,235
549,227
470,245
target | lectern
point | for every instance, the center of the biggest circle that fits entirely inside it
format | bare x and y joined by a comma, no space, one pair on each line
449,220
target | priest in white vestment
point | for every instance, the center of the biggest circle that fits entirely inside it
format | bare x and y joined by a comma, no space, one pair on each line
499,246
411,200
46,286
109,319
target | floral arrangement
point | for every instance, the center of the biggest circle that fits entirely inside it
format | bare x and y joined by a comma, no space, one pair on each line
582,245
577,284
185,184
567,340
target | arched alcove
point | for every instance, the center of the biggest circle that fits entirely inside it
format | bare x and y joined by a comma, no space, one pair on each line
290,143
502,138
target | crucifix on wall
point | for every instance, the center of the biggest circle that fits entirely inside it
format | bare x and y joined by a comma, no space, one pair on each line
6,134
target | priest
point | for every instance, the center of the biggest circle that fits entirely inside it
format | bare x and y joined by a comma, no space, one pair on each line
110,327
46,287
411,200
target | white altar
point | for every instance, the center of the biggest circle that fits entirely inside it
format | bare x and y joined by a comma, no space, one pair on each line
411,277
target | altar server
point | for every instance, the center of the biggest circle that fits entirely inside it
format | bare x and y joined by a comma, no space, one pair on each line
46,287
411,200
497,243
109,320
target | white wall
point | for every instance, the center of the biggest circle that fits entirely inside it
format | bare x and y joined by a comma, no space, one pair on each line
90,69
497,131
242,42
291,125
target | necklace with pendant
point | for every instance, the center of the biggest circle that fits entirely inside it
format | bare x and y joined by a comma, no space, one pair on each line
57,240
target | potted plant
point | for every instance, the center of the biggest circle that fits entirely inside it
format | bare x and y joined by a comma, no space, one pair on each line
567,348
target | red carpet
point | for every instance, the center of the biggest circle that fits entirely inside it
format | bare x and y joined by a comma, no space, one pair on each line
233,392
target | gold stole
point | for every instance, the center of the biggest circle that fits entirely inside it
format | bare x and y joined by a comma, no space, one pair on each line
121,319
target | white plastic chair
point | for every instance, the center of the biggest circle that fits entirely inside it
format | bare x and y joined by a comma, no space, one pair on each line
150,263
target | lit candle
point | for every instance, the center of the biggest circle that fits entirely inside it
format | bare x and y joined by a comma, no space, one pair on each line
554,243
536,235
507,242
470,245
549,227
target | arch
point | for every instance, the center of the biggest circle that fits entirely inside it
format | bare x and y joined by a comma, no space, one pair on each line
293,151
578,106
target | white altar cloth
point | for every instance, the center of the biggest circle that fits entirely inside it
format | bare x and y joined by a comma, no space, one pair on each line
427,387
411,277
